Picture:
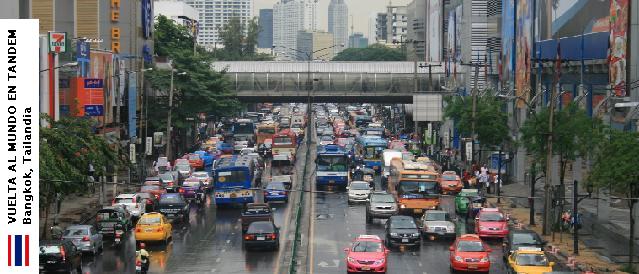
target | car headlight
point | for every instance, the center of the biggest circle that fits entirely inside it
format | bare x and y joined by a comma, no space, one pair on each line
393,234
350,260
402,206
380,261
415,234
459,259
482,227
484,259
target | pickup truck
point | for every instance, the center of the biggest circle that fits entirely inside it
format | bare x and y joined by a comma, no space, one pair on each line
255,212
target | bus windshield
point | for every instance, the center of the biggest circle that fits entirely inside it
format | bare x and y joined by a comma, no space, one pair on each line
413,189
243,128
332,163
266,131
373,152
282,141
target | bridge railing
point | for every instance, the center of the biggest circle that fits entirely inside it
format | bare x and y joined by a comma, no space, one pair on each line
338,82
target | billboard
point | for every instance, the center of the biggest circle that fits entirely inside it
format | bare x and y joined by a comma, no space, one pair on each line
434,30
507,58
617,43
523,49
451,47
84,95
567,18
101,67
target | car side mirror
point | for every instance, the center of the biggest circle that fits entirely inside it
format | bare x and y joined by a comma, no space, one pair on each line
368,200
476,218
451,248
347,188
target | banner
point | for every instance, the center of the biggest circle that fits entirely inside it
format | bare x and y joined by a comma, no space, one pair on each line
19,60
617,44
434,30
132,105
102,68
569,18
507,57
523,50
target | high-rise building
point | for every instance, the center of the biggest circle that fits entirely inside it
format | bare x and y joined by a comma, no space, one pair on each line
357,40
381,31
175,10
396,23
318,43
416,32
338,23
265,37
214,14
289,18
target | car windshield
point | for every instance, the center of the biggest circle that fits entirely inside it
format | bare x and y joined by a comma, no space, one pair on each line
276,186
439,216
49,249
491,217
382,199
232,176
149,220
266,131
360,186
326,138
150,188
403,223
420,189
367,246
532,260
183,168
170,199
76,232
260,227
470,246
449,177
191,183
525,238
200,175
166,177
332,163
124,200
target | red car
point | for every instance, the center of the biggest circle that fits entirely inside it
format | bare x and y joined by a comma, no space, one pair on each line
491,223
451,183
155,190
469,253
367,254
195,161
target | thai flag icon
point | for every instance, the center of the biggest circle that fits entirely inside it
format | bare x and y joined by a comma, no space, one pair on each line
18,250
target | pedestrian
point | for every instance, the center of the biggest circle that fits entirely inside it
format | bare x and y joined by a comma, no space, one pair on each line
56,231
491,183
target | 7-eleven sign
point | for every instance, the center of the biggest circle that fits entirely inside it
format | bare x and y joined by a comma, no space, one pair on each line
57,42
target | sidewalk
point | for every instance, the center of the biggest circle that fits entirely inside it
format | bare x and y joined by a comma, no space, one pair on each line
601,245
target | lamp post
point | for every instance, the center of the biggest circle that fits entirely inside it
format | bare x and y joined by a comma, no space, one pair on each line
576,200
168,121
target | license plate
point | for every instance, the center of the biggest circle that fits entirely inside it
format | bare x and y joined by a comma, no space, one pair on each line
138,268
404,240
42,267
472,266
148,230
117,240
260,238
417,210
366,268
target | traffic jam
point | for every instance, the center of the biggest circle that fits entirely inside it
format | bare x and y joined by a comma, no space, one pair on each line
234,190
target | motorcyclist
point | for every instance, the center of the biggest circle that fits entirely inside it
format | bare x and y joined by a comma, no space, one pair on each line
56,231
142,256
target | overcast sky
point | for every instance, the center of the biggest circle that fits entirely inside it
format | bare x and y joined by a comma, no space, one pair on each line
361,10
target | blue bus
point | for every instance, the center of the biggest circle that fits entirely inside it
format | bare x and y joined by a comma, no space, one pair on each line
332,166
370,149
234,180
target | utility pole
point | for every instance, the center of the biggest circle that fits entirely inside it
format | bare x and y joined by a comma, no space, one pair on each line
474,114
499,179
168,121
548,176
533,181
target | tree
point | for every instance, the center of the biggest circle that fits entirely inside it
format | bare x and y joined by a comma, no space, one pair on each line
490,119
615,167
240,40
67,148
168,36
374,52
575,134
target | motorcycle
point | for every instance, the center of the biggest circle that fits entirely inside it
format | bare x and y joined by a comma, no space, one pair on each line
119,233
142,266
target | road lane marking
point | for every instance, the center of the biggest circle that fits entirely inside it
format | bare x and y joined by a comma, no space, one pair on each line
218,260
228,241
420,264
213,270
223,250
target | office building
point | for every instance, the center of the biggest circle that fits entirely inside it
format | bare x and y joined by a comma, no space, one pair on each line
357,40
381,30
318,44
265,37
396,24
214,14
177,11
338,23
416,32
289,18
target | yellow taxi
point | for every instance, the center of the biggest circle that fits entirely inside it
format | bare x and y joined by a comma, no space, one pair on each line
153,227
529,260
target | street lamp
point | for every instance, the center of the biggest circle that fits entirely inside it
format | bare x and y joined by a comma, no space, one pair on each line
168,121
67,65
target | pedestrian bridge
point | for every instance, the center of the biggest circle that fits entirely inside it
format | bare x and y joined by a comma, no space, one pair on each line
365,82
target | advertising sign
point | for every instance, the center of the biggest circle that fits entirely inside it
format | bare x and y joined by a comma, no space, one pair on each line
132,105
93,83
101,67
507,57
434,30
147,18
568,18
450,41
93,110
469,151
158,139
618,40
148,146
84,96
523,48
83,56
132,153
57,42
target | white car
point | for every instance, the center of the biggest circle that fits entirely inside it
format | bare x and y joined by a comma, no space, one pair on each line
358,191
204,178
132,202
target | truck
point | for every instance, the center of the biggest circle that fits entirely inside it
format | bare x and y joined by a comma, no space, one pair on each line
415,186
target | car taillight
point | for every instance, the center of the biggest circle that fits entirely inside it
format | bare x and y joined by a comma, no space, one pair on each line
157,196
249,237
113,202
138,263
135,200
272,236
85,238
63,253
160,229
181,190
137,229
170,183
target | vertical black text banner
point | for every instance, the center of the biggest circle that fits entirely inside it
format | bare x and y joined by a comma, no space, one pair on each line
19,147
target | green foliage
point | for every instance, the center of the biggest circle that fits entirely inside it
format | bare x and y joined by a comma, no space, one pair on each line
574,134
169,36
66,149
375,52
240,40
491,122
200,90
615,164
